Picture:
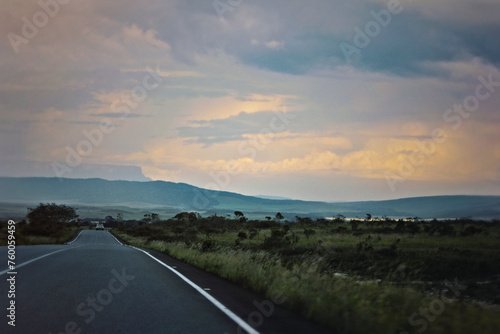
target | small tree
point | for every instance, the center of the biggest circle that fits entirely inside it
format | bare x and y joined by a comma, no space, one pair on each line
240,216
50,218
151,218
340,218
187,217
279,216
51,213
109,219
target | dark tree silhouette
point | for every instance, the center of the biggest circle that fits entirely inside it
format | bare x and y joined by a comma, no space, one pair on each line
241,217
51,213
49,219
279,216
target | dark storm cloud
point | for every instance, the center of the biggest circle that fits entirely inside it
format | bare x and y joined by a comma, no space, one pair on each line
401,48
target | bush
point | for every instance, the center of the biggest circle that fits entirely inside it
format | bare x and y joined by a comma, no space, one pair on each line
470,230
309,232
208,245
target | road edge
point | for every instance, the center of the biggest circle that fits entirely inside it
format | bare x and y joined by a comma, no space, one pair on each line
240,322
244,302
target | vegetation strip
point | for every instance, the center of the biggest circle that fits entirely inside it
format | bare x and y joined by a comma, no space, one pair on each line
375,275
302,261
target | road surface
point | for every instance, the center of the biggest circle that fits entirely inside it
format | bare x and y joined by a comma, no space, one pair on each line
98,285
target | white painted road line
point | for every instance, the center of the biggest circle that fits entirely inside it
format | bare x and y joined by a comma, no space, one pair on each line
69,243
249,329
36,259
118,241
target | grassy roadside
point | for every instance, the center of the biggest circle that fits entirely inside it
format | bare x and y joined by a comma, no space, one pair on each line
342,304
23,239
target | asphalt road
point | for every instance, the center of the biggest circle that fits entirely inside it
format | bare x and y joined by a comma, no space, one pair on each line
98,285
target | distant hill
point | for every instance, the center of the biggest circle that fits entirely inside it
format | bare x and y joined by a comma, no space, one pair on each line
176,197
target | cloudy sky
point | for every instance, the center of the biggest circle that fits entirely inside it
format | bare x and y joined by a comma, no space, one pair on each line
319,100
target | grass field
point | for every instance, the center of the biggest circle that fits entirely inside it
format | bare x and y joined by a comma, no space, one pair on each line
353,277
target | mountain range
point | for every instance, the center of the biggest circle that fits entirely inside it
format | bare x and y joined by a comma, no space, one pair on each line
108,197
